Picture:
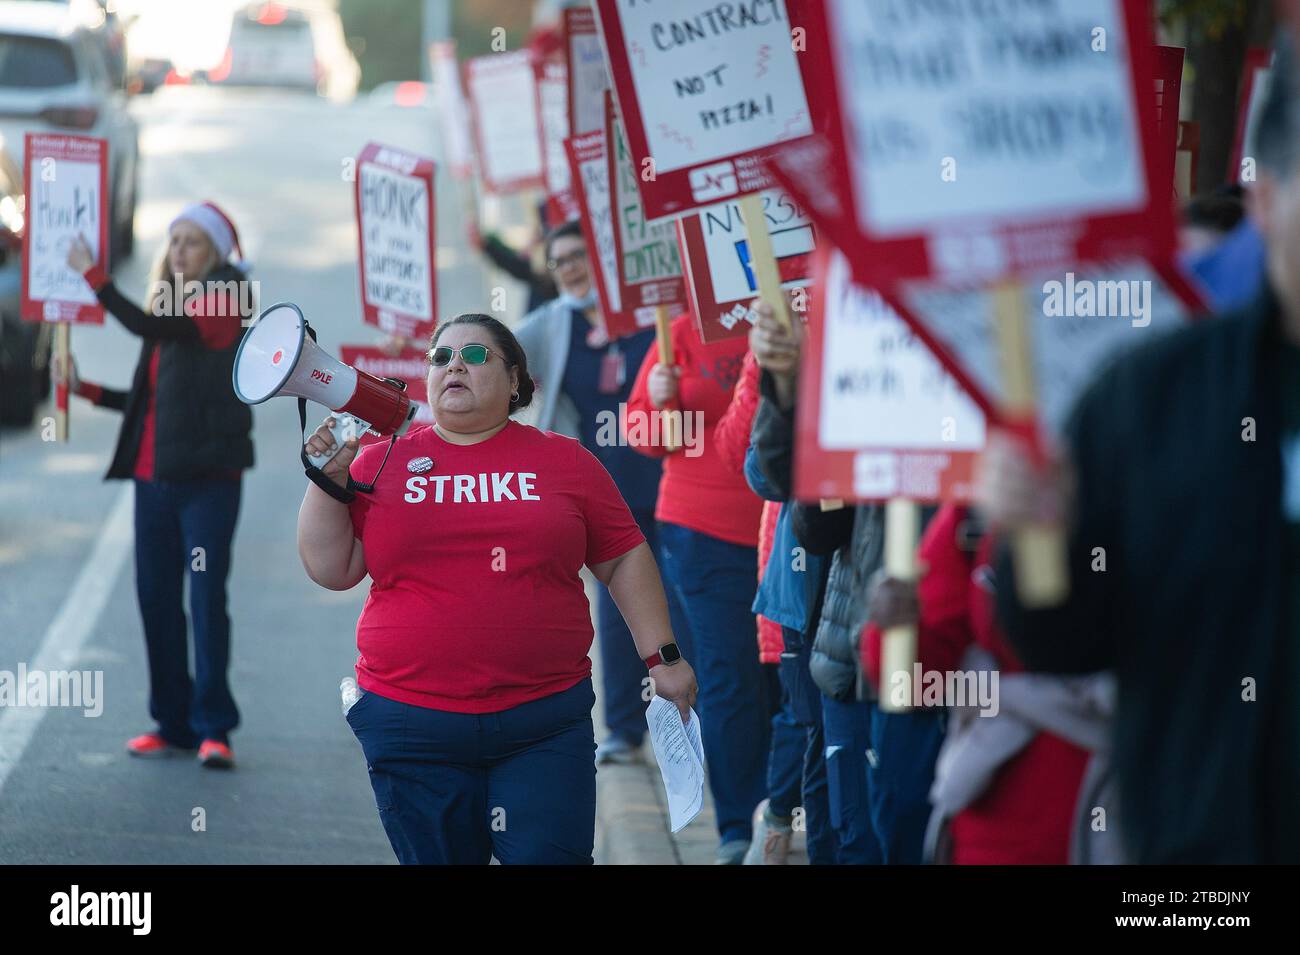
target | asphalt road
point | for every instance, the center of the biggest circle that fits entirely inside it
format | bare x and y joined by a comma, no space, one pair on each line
68,790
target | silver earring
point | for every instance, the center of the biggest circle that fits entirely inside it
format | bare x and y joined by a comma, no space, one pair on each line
514,396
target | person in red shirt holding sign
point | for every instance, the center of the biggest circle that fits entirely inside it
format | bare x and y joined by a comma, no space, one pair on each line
185,441
473,642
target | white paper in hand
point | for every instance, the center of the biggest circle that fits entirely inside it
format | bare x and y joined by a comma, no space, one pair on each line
680,754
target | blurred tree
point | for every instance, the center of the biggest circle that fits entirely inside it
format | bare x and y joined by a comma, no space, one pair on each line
474,20
1218,33
385,36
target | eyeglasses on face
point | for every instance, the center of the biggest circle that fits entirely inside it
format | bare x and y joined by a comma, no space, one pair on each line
442,355
573,258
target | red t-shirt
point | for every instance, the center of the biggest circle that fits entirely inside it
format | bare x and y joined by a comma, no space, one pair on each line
698,490
475,603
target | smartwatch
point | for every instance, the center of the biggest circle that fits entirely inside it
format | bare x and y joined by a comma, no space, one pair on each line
668,655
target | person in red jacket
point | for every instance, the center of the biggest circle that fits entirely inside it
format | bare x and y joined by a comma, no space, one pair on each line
708,529
1024,814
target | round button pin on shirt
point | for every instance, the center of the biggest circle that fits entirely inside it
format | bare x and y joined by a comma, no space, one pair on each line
419,465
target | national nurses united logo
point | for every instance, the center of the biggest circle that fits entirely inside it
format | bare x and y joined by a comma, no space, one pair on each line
419,465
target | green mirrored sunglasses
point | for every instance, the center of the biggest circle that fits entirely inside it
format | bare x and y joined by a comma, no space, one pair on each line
469,354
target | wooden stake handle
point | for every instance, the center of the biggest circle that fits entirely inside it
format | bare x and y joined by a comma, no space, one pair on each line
761,258
63,348
1042,572
670,419
898,644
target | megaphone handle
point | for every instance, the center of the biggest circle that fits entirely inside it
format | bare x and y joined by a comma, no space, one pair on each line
345,426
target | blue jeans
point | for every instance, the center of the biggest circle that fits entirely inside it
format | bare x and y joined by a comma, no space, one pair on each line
904,749
847,725
785,760
172,518
458,788
805,704
715,582
623,671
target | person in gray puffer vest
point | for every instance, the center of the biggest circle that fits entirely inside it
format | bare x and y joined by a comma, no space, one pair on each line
898,749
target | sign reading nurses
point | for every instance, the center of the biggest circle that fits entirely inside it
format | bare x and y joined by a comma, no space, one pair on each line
649,261
878,416
589,168
982,140
410,366
588,78
705,88
720,275
503,103
395,226
67,196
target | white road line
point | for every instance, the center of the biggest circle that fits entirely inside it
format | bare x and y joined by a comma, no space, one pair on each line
67,633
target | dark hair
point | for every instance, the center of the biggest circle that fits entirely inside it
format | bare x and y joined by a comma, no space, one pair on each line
570,229
506,343
1218,212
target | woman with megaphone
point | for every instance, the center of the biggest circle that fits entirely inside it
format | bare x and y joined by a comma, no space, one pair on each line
185,441
473,642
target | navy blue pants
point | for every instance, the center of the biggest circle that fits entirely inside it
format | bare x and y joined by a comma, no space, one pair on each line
785,761
622,671
172,519
805,704
459,788
847,725
904,747
715,583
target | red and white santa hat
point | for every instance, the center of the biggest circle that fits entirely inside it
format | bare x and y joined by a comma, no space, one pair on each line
218,226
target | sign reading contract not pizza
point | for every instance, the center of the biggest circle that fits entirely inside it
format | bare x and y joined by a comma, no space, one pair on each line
705,89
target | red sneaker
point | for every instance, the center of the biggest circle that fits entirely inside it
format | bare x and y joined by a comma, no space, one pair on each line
150,745
216,755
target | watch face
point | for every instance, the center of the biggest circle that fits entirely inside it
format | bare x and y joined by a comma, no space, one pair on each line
669,653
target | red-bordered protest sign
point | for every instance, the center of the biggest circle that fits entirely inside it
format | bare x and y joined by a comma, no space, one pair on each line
453,111
1081,318
411,366
719,273
705,90
588,78
1169,85
649,260
503,104
67,196
956,148
589,167
878,416
395,227
1255,78
553,108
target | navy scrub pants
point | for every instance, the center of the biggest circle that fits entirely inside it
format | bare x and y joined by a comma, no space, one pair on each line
172,519
623,672
459,788
715,582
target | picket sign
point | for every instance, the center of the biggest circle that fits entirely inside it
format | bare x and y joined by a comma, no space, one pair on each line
589,169
994,165
394,199
705,90
585,69
762,259
503,106
898,644
66,181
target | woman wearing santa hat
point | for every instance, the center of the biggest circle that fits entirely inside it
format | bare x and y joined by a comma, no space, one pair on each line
185,441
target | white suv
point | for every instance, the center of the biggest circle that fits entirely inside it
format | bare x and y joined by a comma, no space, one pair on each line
56,77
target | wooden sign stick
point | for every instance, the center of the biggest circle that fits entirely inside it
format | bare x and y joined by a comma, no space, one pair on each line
898,644
62,348
669,418
761,258
1042,576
